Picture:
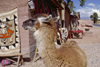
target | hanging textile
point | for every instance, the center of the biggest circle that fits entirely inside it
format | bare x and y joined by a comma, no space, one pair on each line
9,32
41,7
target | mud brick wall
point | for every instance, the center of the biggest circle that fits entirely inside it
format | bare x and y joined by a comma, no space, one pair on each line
23,14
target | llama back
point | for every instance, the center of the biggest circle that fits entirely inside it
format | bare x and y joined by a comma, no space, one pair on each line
73,53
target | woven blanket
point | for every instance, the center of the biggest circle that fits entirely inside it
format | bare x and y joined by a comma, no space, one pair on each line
9,32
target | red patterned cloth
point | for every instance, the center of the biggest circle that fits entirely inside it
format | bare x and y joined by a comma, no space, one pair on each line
75,31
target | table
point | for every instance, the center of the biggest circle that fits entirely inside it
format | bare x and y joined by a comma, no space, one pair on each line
76,31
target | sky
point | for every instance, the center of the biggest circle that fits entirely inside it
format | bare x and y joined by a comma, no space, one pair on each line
88,9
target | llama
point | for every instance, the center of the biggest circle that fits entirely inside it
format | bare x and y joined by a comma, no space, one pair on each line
69,55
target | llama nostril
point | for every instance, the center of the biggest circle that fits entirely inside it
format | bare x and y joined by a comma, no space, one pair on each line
23,26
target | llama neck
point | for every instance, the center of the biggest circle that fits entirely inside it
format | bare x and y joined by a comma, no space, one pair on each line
45,40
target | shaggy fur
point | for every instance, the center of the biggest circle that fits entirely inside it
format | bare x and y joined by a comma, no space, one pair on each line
69,55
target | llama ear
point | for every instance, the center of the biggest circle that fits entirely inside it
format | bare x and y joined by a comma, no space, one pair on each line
56,19
45,19
49,18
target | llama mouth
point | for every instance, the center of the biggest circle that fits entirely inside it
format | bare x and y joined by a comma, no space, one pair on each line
25,28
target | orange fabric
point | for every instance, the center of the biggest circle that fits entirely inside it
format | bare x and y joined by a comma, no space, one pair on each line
10,32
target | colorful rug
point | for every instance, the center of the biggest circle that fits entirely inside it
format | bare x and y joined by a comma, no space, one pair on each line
9,32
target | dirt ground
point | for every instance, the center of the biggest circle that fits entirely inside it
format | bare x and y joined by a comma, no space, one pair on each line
90,44
98,22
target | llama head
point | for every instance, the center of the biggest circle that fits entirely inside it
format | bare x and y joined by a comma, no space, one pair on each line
39,20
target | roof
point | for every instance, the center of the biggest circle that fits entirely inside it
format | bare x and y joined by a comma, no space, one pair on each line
54,3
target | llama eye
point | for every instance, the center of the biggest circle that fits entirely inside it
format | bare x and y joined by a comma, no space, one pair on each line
33,21
30,22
